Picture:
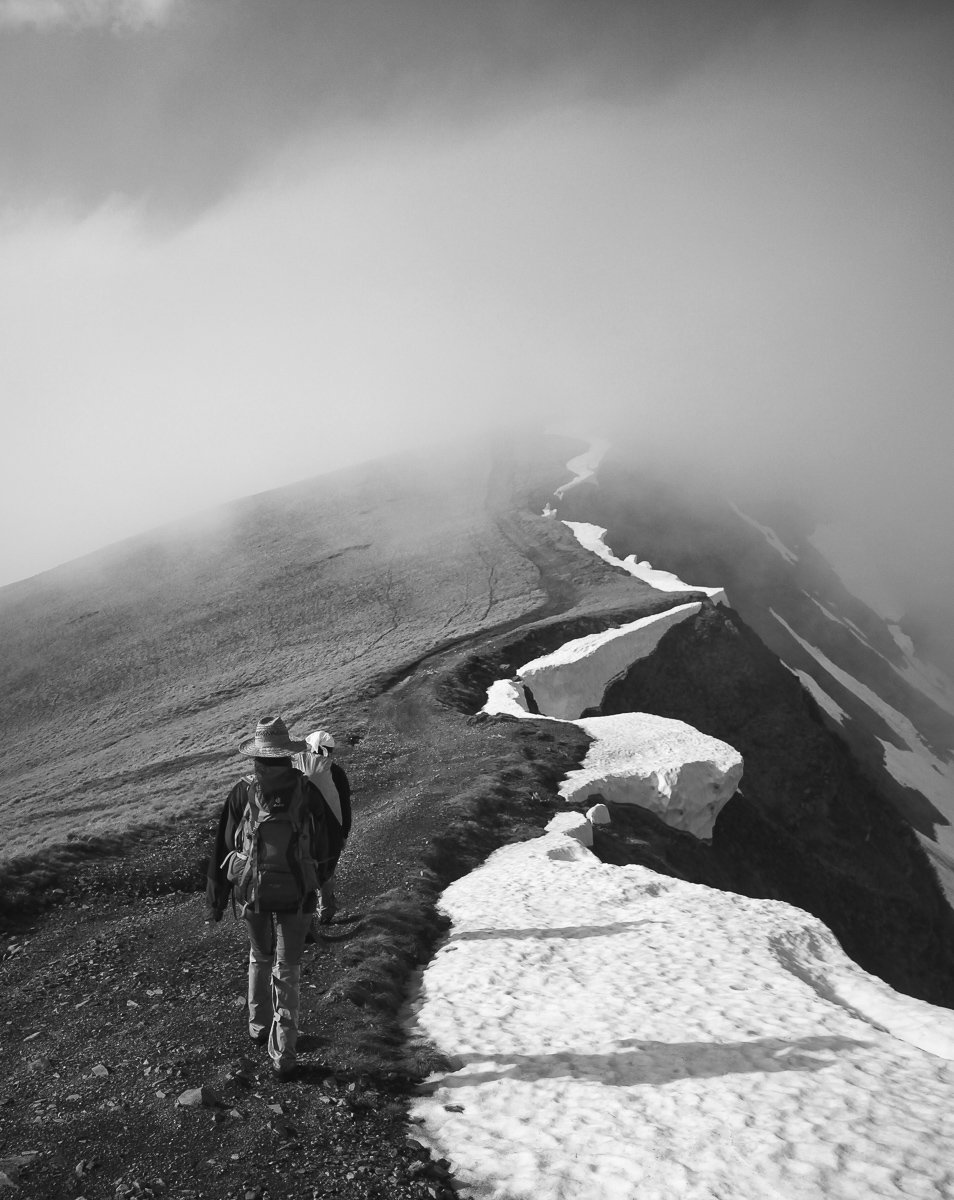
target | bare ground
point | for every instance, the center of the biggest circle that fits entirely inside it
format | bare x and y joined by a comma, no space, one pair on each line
118,998
116,1005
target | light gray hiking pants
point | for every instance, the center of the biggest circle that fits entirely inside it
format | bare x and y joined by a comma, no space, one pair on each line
276,943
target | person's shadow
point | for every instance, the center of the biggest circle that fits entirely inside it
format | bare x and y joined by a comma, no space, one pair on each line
562,933
648,1063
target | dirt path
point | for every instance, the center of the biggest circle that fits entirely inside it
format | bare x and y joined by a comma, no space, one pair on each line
117,1006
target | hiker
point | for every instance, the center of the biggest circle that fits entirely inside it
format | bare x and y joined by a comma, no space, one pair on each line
271,854
316,765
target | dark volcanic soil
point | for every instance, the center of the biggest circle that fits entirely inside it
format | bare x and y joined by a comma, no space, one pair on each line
119,1000
117,1004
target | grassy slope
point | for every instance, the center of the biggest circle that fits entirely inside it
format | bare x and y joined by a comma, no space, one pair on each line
128,677
125,973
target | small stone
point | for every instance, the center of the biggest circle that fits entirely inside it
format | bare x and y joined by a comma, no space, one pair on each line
100,1071
197,1097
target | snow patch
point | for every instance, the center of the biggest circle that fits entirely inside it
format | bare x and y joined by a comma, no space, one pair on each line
913,761
927,680
506,698
901,639
575,677
618,1033
584,465
813,953
820,696
663,765
845,624
769,534
574,825
683,776
591,538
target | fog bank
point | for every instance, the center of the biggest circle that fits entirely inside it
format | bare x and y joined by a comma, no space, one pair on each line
243,247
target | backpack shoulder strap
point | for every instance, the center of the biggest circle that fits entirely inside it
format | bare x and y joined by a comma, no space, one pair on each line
254,810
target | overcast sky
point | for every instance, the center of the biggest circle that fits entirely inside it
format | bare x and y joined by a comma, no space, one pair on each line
245,242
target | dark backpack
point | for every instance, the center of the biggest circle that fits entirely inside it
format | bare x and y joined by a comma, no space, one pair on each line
273,864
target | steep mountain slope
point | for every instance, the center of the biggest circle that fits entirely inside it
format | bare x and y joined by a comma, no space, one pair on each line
383,603
895,713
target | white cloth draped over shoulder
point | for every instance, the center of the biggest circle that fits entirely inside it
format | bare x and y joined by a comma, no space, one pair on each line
316,769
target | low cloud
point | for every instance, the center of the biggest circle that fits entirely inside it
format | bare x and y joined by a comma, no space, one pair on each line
82,14
731,240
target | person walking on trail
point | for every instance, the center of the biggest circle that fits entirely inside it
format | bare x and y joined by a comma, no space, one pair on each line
315,763
271,855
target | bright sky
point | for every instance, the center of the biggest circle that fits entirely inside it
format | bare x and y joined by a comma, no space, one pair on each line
246,243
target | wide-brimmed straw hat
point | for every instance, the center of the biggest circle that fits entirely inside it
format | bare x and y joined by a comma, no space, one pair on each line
271,740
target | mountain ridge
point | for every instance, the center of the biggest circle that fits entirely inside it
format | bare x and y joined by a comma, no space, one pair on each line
438,785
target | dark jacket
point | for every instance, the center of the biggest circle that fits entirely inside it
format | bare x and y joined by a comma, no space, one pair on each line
338,834
337,830
277,780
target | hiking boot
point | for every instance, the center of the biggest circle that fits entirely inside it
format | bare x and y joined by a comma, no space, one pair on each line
259,1038
327,911
282,1073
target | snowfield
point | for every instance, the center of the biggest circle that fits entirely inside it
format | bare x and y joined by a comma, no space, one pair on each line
618,1033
